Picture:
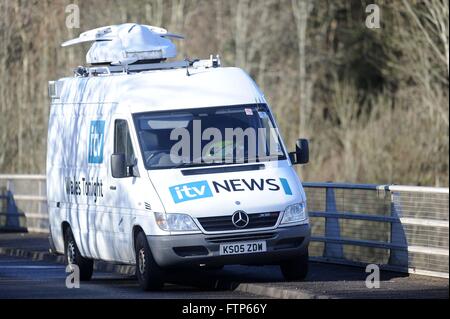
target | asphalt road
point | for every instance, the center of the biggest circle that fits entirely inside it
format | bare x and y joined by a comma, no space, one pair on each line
25,278
22,278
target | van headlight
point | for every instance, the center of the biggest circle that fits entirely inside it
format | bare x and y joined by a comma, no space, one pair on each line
295,213
175,222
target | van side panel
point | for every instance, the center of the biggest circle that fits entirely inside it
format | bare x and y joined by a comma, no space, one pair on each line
75,178
100,209
56,159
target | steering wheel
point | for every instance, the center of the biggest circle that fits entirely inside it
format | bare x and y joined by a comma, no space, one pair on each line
152,155
223,147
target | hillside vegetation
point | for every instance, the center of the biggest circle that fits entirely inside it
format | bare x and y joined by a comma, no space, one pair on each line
373,102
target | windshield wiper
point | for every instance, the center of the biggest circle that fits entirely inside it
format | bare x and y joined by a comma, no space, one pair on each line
199,162
223,161
263,158
181,164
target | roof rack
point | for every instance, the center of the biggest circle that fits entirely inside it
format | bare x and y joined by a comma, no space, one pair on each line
105,70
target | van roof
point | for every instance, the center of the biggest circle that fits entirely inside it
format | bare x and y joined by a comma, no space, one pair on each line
164,89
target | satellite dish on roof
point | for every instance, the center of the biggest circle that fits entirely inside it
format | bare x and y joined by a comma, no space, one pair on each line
127,43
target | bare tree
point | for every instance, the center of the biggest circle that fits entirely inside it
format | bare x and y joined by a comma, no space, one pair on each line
302,10
309,57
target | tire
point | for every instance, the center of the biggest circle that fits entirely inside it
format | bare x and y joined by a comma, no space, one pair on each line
295,269
150,276
73,257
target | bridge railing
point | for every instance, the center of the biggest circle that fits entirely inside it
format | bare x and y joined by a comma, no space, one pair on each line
400,228
29,194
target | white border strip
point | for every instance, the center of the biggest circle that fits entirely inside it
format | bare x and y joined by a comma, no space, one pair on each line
428,250
425,222
418,189
21,176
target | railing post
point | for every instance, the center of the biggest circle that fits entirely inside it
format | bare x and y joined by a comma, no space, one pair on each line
12,213
398,257
332,228
39,194
14,217
10,185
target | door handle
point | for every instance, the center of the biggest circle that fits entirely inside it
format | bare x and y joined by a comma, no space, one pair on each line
112,187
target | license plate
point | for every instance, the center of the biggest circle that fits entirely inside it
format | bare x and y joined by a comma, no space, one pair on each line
243,248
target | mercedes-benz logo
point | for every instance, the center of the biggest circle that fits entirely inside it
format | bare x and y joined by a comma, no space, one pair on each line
240,219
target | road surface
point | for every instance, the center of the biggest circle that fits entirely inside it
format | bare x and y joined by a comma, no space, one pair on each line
26,278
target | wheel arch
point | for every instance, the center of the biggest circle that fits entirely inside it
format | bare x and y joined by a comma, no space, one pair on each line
65,226
136,230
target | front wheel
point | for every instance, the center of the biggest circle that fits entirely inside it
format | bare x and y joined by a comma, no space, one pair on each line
295,269
73,257
148,273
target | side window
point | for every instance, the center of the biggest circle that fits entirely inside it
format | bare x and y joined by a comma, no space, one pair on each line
122,141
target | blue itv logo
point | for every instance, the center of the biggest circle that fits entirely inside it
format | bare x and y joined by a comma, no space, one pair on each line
96,139
189,191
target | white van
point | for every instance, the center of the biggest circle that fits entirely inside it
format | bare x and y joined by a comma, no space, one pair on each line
121,187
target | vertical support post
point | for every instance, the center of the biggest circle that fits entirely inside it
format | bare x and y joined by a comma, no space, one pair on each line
12,213
332,228
39,194
10,185
398,257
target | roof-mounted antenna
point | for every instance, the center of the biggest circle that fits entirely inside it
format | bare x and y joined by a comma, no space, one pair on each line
188,63
128,41
81,71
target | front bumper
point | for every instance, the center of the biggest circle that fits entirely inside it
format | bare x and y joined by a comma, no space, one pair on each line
199,249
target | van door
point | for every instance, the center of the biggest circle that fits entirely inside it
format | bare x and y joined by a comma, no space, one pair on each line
120,189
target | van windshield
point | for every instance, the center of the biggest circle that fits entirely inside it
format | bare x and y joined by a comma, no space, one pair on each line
208,136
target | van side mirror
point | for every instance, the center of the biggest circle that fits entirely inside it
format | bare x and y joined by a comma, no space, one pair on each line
301,154
118,165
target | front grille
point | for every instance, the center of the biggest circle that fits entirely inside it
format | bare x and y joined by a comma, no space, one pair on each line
224,223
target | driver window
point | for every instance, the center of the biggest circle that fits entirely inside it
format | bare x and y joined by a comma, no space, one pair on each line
122,141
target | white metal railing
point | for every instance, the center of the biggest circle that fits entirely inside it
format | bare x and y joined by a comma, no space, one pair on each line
30,197
402,228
